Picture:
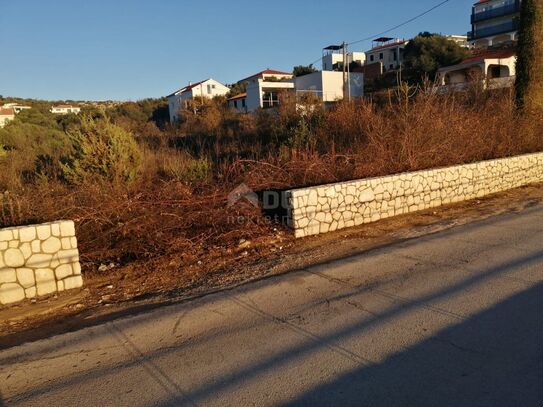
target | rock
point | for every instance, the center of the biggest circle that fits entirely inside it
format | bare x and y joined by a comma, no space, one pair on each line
11,293
67,228
45,281
30,293
26,277
55,229
73,282
27,234
51,245
102,267
26,250
14,258
7,275
63,271
366,195
44,231
39,260
6,235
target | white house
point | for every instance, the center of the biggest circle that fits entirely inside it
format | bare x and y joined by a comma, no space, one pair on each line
17,108
494,22
208,88
264,87
332,58
494,68
7,114
388,51
65,109
328,86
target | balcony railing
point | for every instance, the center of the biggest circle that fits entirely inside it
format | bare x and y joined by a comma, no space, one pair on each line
496,12
493,30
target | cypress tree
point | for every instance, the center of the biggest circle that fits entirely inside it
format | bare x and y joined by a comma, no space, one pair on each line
529,71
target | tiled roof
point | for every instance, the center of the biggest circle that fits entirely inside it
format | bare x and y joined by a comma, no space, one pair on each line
266,72
491,54
6,111
187,88
240,96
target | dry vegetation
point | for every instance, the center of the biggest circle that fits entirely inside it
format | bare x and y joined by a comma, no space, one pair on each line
175,203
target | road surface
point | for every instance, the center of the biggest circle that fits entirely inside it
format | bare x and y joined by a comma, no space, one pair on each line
449,319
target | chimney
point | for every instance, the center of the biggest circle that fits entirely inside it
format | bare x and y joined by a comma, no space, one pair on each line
190,83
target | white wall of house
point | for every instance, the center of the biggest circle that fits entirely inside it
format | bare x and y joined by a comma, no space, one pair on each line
328,85
6,115
391,56
329,60
208,89
256,90
65,109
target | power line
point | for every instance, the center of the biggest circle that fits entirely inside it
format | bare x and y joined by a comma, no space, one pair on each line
395,27
402,24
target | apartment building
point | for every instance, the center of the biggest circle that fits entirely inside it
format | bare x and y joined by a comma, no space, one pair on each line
494,22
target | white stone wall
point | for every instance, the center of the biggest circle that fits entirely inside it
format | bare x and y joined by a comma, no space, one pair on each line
326,208
38,260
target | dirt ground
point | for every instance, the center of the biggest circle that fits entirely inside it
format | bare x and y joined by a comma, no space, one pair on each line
120,291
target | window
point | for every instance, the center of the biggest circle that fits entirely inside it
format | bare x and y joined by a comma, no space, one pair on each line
209,89
372,58
236,104
391,66
395,55
381,56
243,103
212,86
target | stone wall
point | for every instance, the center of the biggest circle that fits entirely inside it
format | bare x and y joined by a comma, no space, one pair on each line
332,207
38,260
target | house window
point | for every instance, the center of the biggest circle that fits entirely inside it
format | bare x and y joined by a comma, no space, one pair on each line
243,103
372,58
212,86
209,89
236,104
381,56
395,55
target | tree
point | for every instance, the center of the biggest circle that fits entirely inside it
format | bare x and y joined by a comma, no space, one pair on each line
301,70
237,89
426,53
529,70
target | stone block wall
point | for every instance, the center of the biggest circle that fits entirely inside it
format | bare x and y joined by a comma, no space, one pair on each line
38,260
326,208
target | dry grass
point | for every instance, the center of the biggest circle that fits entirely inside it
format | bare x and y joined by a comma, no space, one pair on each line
179,203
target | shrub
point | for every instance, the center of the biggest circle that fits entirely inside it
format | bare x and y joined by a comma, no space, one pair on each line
102,150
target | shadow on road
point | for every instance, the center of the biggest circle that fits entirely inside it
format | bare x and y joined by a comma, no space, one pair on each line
480,361
492,359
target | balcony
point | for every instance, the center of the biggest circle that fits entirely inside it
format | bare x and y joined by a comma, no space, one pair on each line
496,12
494,30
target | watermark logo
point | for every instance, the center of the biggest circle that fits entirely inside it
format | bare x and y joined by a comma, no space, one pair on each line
242,195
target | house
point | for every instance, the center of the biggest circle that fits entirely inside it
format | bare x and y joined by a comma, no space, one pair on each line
238,102
328,86
495,68
387,51
264,87
7,114
332,58
461,40
494,22
65,109
17,108
179,99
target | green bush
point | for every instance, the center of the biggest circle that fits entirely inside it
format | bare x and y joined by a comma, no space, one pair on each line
102,150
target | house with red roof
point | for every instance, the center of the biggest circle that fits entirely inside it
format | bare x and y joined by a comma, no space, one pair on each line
7,114
494,22
263,89
386,51
178,100
495,68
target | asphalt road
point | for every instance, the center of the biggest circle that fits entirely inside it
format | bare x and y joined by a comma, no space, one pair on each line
450,319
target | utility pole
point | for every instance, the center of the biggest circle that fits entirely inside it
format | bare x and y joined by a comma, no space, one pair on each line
344,46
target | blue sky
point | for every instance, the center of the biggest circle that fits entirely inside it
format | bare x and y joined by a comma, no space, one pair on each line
132,49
